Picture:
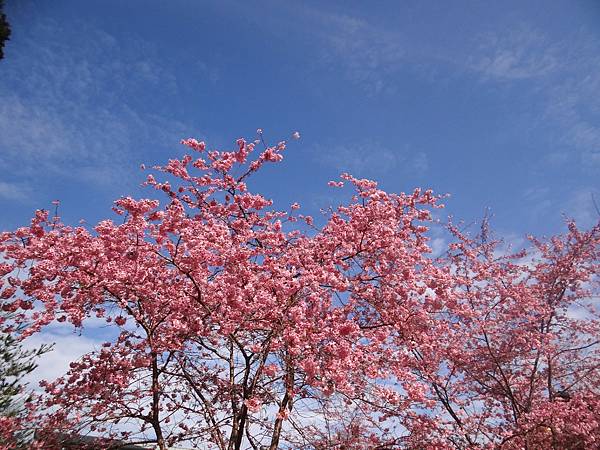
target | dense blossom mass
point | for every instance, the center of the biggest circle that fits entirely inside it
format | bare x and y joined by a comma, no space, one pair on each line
238,325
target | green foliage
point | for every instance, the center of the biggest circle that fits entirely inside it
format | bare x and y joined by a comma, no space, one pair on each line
4,29
15,364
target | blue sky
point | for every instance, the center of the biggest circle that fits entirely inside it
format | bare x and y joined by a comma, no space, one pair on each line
495,103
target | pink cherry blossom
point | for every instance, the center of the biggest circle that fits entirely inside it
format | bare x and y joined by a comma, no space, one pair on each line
237,325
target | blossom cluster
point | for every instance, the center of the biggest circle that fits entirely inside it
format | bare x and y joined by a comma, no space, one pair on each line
234,321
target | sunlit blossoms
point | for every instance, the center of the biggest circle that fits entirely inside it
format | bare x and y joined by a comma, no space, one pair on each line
237,325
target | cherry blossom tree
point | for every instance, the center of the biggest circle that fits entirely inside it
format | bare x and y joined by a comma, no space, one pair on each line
521,363
238,325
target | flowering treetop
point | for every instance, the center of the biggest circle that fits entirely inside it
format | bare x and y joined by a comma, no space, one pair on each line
239,325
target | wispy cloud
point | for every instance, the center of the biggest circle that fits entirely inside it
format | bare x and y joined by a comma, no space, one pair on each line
578,203
70,110
581,205
518,53
369,54
566,73
539,202
563,73
14,191
371,158
68,347
351,46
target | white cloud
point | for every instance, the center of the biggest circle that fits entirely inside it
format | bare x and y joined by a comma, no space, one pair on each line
371,158
68,110
562,72
580,205
566,76
559,204
369,53
68,347
438,246
14,191
519,53
359,50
